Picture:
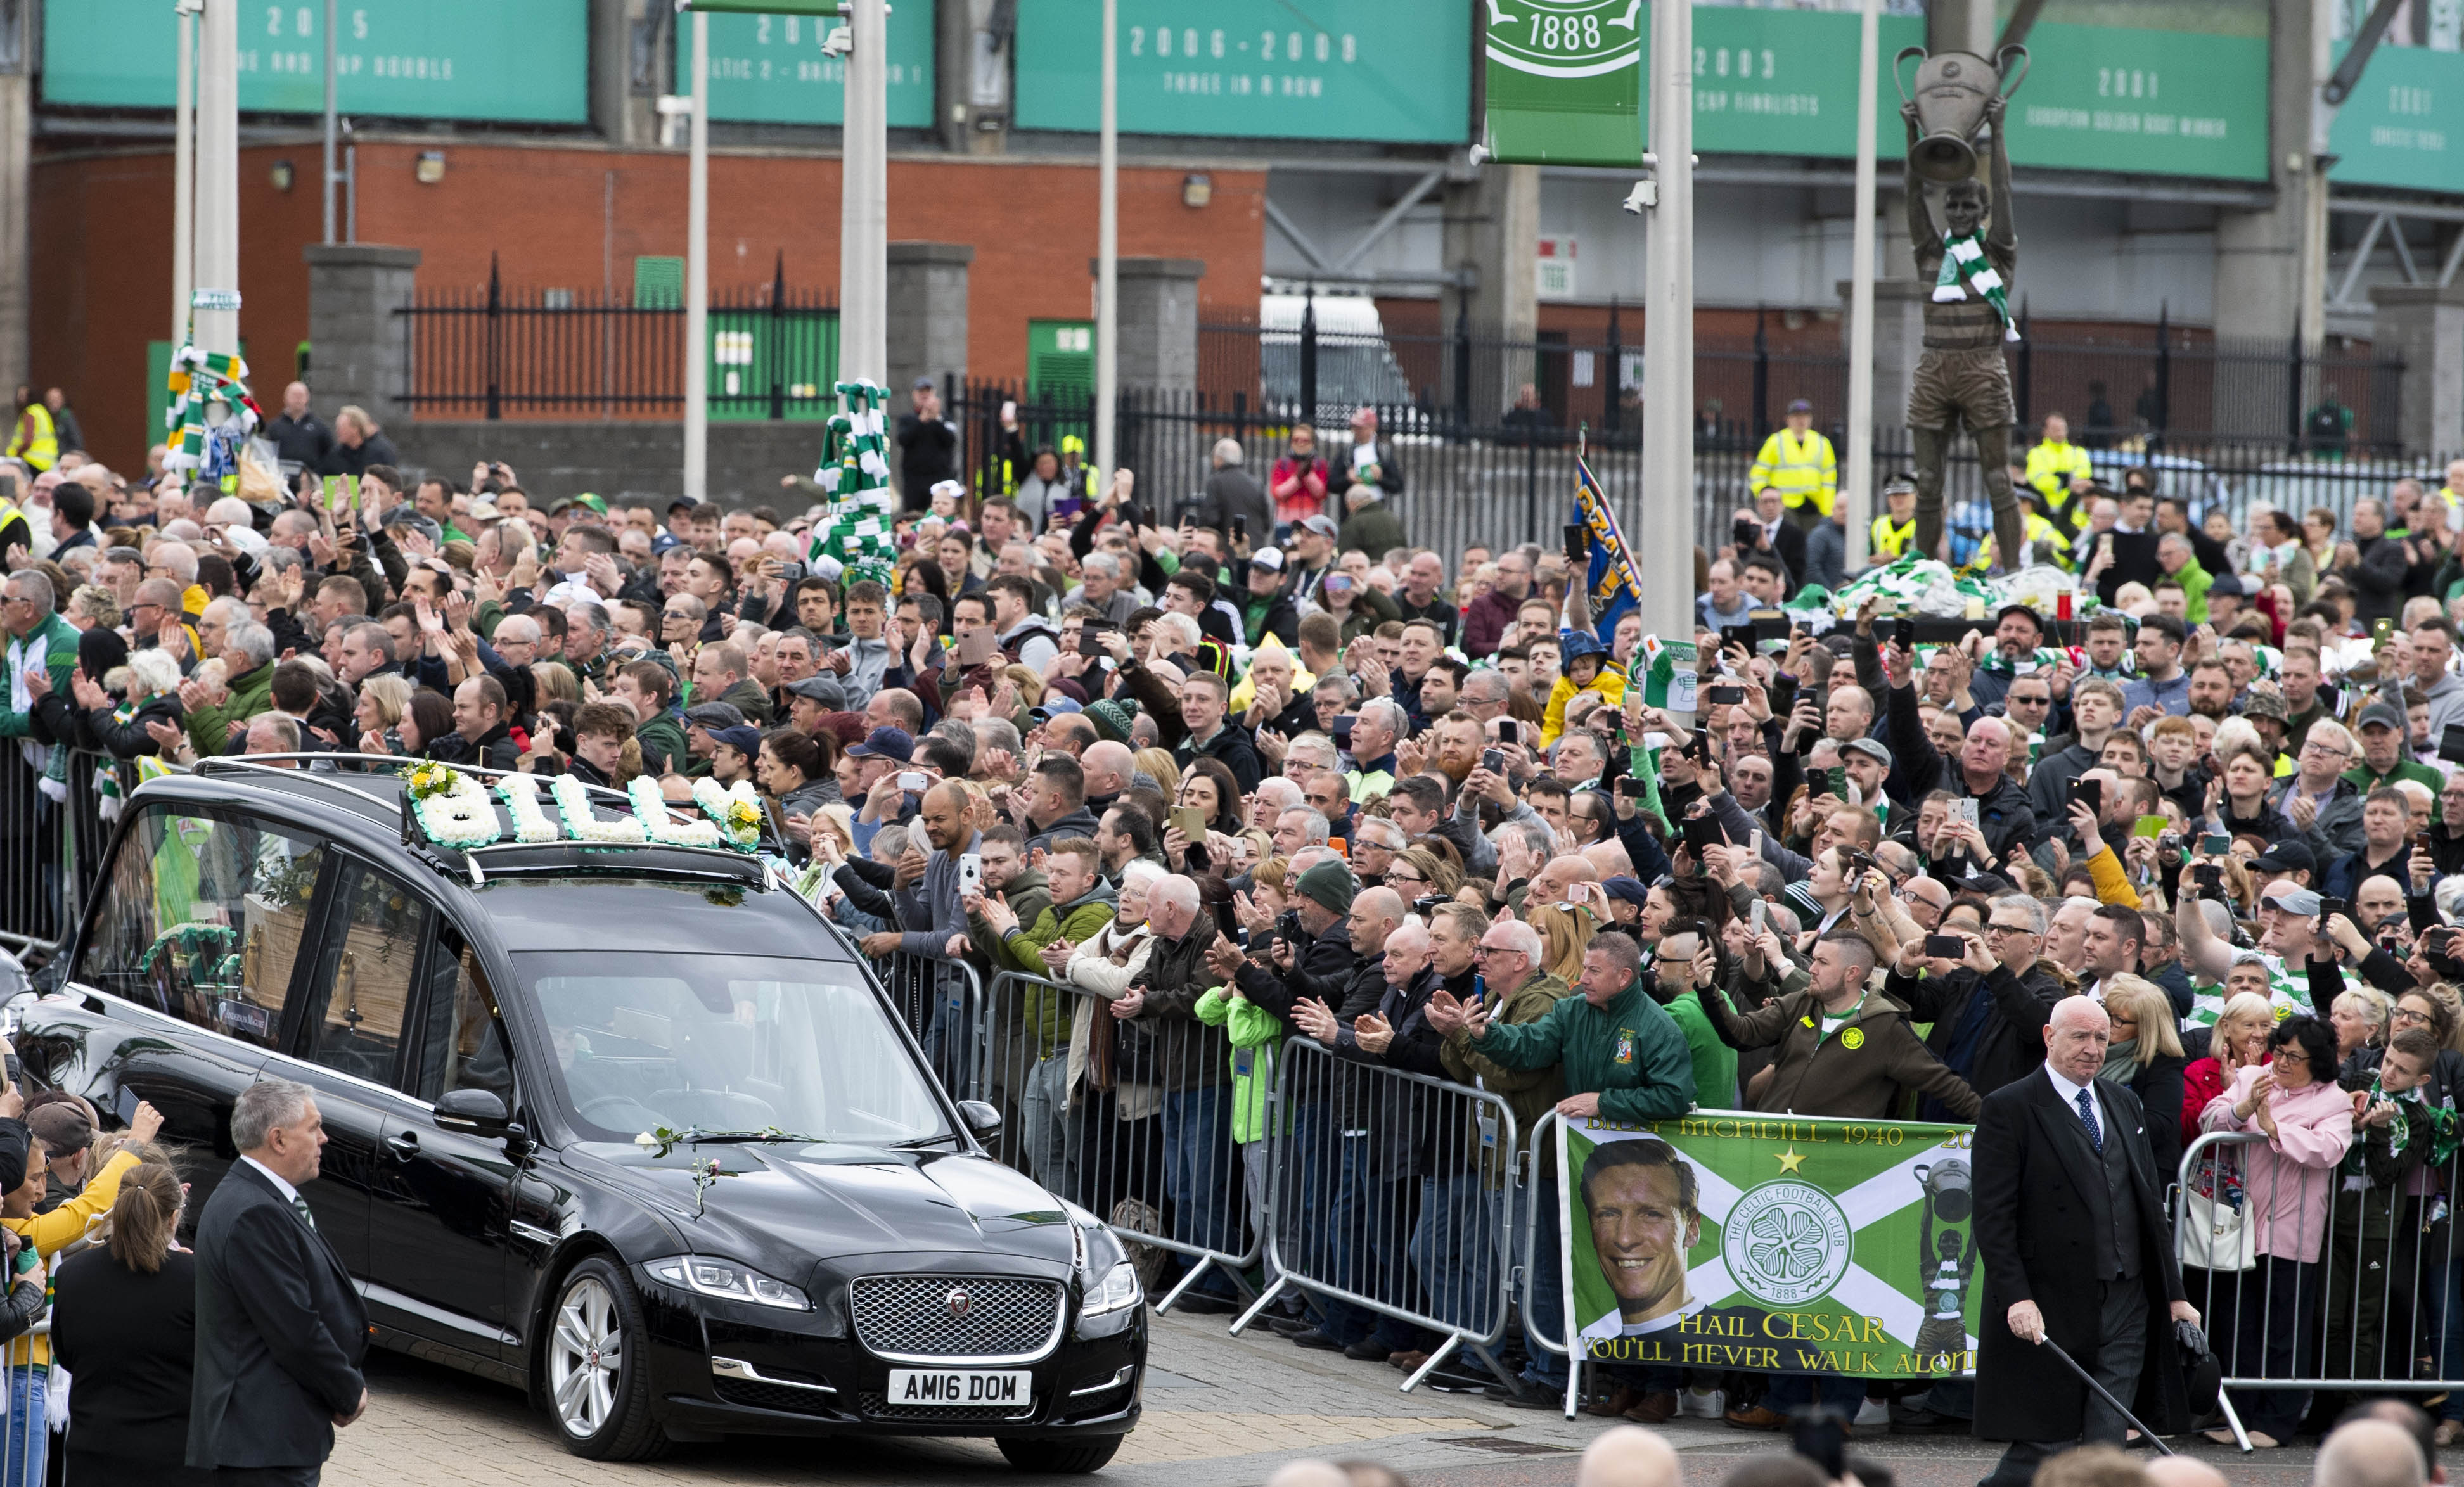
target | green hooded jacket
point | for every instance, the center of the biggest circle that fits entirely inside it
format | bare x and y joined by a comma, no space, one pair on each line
246,696
1257,1039
1048,1010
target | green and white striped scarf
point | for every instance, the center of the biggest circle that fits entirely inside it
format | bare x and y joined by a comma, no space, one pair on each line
1964,267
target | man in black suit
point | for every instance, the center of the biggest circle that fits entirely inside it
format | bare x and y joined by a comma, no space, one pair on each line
2070,1223
280,1329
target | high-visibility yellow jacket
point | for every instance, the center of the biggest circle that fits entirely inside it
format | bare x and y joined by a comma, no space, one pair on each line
2039,534
2050,469
1801,468
1891,539
36,440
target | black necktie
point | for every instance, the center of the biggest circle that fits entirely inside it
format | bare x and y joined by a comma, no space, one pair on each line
2087,1114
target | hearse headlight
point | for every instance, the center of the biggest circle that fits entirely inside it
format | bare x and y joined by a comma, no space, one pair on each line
1118,1291
728,1279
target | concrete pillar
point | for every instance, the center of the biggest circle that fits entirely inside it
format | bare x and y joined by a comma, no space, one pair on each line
631,63
1159,309
2263,275
1898,340
926,329
363,347
1491,247
2424,325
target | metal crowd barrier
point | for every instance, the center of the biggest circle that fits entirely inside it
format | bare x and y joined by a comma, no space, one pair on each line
52,851
938,1001
2377,1306
1132,1120
1392,1194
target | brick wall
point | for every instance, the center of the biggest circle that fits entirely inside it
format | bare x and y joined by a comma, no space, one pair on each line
561,215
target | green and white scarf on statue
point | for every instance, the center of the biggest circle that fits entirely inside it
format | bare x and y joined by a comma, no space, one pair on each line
1965,268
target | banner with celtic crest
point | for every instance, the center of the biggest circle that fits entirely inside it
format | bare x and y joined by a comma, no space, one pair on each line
1734,1239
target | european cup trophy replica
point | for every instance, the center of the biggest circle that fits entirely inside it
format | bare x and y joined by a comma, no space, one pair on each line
1947,1265
1971,256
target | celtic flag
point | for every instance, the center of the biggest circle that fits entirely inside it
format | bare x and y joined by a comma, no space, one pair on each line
1730,1239
855,531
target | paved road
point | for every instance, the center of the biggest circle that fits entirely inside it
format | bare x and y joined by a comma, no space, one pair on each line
1220,1412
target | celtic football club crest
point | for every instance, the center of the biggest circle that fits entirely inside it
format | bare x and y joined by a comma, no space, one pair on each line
1786,1243
1565,39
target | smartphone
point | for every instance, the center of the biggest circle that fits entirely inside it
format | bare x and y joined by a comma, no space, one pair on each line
979,645
2091,791
1343,722
1702,831
971,873
2451,743
2335,905
1239,527
2147,826
1725,696
1629,787
1740,636
1747,532
792,574
2216,844
1192,822
1578,544
1493,760
2209,876
1754,846
1904,634
2421,842
1508,731
1964,812
1758,913
2380,629
912,781
1945,946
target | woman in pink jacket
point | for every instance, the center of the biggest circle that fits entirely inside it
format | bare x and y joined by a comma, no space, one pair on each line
2293,1100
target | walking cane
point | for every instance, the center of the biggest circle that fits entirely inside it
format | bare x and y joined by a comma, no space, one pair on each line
2072,1363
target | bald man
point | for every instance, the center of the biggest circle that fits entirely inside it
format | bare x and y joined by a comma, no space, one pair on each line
1107,766
2180,1471
2063,1157
2368,1454
1629,1456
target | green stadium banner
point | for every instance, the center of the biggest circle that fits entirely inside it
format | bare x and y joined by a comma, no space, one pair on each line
515,60
2391,131
1784,83
1731,1239
1395,71
1564,82
770,68
2142,101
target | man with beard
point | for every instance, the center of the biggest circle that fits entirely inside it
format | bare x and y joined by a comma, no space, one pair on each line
2212,689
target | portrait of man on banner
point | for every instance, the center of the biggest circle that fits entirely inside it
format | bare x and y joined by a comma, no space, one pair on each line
1642,1199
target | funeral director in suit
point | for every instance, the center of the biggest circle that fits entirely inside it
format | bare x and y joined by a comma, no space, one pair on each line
2069,1224
280,1330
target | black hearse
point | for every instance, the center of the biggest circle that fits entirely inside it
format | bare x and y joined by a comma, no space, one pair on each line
630,1127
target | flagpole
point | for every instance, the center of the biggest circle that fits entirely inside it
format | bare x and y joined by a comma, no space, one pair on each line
1857,489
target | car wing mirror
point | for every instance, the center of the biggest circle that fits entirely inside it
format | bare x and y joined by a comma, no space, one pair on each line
983,1121
481,1112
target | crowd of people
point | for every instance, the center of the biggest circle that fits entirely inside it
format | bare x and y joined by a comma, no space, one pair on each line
1230,771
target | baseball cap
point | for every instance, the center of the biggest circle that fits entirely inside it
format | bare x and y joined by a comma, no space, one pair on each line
743,737
682,503
714,715
2285,857
2380,715
1323,526
484,509
885,743
1800,405
1629,889
1270,558
922,385
1054,704
2028,610
1871,748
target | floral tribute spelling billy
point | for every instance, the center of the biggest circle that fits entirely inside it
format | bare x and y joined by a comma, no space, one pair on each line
455,810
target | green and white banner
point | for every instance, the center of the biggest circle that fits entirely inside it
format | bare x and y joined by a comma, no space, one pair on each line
1731,1239
1564,82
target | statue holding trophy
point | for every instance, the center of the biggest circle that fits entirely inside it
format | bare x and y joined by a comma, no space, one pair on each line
1961,376
1950,1255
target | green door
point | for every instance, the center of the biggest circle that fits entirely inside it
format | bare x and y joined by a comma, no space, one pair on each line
753,352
